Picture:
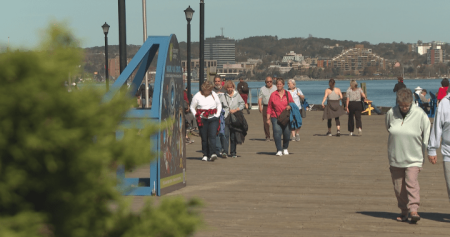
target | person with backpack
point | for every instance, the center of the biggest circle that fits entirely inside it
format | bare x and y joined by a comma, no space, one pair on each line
243,91
399,85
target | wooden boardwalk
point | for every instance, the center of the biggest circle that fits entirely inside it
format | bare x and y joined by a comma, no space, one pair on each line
327,186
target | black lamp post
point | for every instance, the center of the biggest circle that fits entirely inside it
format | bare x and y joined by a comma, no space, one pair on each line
202,45
105,31
189,13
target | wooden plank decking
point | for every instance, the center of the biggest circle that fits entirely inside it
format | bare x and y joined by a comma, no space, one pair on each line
327,186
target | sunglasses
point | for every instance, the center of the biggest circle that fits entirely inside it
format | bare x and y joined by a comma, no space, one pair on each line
404,107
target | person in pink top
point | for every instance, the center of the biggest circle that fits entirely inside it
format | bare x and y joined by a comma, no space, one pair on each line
442,90
279,100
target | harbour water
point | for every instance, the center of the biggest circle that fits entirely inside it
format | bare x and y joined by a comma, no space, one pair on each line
379,91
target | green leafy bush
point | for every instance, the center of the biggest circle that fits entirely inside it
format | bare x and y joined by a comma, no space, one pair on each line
58,153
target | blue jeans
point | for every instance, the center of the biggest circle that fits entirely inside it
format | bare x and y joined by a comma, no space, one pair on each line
376,109
208,134
222,141
279,130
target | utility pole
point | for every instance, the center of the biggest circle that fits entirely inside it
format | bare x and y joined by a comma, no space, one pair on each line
144,16
202,45
122,36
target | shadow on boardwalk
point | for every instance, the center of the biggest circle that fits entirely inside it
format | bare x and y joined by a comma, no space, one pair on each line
441,217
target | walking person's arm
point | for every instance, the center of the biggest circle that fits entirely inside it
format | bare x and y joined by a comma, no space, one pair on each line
324,98
426,127
363,95
300,94
269,109
260,105
194,105
348,100
435,135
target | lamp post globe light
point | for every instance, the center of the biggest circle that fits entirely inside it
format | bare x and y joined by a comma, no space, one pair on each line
189,13
105,28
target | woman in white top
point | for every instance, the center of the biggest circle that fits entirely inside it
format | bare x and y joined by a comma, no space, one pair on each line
206,107
296,94
354,107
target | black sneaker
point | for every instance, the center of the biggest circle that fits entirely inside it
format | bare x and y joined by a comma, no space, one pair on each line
338,134
329,134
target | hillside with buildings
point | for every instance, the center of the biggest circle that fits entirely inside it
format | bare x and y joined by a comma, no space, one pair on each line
311,57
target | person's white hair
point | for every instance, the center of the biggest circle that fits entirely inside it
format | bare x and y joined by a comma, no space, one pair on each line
292,81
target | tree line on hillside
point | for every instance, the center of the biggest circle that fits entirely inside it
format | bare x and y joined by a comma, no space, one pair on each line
271,49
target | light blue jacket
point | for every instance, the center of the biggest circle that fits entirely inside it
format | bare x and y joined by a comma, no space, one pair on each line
295,119
441,129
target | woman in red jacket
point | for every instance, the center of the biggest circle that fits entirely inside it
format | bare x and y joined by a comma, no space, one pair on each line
279,101
442,90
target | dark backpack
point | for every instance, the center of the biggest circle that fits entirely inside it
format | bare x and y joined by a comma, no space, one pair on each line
245,88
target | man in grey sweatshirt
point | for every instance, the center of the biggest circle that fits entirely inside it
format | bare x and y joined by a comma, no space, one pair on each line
441,130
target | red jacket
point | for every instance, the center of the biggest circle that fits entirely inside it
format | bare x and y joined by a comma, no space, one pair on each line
442,93
276,104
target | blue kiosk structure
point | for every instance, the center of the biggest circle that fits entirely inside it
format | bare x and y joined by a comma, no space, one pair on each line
168,171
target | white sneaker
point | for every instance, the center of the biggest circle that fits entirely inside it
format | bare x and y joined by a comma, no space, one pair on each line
360,132
205,158
351,134
279,153
285,152
213,157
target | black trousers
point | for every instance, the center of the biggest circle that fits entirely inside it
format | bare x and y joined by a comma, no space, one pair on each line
354,110
338,123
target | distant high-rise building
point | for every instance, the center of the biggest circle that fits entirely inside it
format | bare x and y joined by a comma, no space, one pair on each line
435,55
222,49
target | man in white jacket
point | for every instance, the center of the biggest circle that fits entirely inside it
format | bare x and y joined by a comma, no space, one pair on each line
441,130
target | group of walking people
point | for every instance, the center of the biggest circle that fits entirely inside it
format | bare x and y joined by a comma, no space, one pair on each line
411,136
274,102
218,112
354,106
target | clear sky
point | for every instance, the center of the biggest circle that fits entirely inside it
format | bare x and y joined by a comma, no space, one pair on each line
358,20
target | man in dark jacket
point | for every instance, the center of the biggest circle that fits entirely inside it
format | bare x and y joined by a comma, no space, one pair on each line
243,90
399,85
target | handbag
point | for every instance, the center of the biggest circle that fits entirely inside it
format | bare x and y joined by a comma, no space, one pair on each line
303,109
283,118
231,118
364,106
303,112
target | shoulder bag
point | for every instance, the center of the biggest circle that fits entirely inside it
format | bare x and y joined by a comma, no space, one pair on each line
303,109
364,105
283,118
231,118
